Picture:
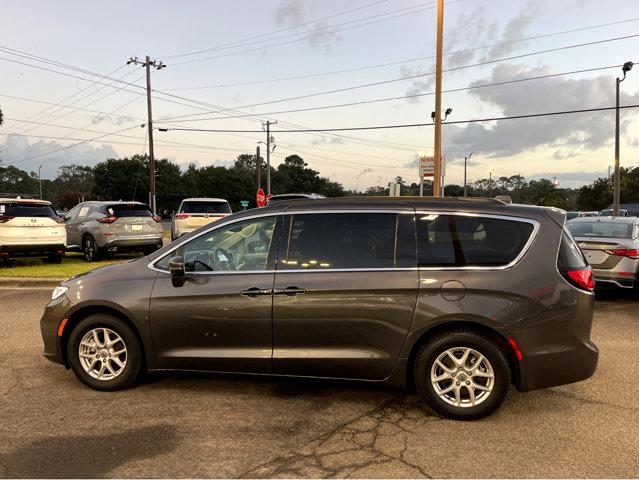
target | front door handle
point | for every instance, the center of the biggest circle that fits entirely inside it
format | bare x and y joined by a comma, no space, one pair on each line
255,291
292,290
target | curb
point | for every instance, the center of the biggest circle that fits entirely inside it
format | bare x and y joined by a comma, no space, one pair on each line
17,282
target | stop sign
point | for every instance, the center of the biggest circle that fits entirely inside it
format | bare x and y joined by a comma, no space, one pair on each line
260,197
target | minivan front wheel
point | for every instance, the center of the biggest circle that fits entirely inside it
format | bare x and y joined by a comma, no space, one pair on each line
462,375
104,353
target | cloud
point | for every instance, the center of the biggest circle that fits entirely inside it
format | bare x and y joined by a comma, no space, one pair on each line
569,179
328,141
515,29
117,120
362,173
510,137
17,148
318,36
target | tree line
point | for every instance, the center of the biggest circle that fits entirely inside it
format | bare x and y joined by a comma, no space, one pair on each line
128,179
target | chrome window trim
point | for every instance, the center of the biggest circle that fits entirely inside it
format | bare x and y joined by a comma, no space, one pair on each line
513,218
408,210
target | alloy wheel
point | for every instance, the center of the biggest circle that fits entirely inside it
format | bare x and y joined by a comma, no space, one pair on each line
462,377
102,353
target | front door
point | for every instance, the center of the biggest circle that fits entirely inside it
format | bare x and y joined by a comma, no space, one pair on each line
220,319
344,294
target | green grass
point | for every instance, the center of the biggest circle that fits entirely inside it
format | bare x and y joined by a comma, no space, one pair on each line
72,264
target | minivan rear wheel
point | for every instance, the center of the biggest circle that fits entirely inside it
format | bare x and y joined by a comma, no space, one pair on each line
462,375
104,353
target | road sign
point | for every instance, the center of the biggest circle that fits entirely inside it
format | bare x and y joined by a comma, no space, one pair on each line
426,166
268,197
244,203
260,197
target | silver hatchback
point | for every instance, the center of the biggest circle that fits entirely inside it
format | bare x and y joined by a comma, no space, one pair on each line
104,228
611,246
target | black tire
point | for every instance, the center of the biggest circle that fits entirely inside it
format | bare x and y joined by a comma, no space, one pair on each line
127,375
437,346
91,251
53,259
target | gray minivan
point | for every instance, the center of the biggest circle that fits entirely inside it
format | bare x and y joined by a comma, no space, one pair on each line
459,298
102,229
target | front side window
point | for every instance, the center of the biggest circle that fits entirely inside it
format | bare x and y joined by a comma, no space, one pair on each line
459,240
342,240
239,246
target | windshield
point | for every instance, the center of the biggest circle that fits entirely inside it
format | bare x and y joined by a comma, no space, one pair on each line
205,207
600,229
26,210
129,210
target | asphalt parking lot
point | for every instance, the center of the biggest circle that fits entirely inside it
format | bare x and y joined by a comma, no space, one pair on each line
207,426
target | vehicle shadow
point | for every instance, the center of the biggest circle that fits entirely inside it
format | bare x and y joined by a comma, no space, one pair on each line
87,456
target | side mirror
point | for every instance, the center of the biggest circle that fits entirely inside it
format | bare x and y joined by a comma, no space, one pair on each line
176,267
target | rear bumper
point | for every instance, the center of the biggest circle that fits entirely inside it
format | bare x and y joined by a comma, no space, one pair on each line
614,278
118,244
559,352
33,250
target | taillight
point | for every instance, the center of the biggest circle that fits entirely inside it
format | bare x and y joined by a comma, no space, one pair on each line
624,253
182,216
157,218
582,278
57,219
109,219
5,218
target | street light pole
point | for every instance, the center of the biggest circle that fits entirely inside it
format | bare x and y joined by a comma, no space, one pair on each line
438,100
40,180
616,198
465,168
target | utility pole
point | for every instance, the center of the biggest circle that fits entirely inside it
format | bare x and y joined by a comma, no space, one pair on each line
438,99
147,64
616,198
268,155
259,167
465,168
40,180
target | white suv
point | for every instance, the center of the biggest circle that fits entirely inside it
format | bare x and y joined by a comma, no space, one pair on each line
31,228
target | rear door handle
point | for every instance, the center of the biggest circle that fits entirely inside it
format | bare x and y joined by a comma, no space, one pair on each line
255,291
292,290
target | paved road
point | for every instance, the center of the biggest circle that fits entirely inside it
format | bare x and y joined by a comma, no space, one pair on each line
204,426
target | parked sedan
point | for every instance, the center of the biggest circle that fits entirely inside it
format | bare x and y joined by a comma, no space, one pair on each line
611,246
104,228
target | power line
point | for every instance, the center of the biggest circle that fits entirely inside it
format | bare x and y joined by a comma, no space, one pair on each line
411,77
403,97
410,125
319,33
368,67
169,57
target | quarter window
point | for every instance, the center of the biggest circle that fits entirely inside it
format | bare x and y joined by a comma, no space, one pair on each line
342,240
457,240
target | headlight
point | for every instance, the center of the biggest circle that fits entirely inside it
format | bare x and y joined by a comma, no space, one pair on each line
59,291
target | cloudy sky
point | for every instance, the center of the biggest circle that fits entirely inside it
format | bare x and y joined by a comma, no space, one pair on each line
231,65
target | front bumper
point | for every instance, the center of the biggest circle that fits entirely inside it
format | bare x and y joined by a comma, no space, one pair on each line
33,250
52,317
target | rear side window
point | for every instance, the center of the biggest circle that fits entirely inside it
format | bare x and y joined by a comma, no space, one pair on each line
342,240
129,210
570,256
457,240
26,210
205,207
